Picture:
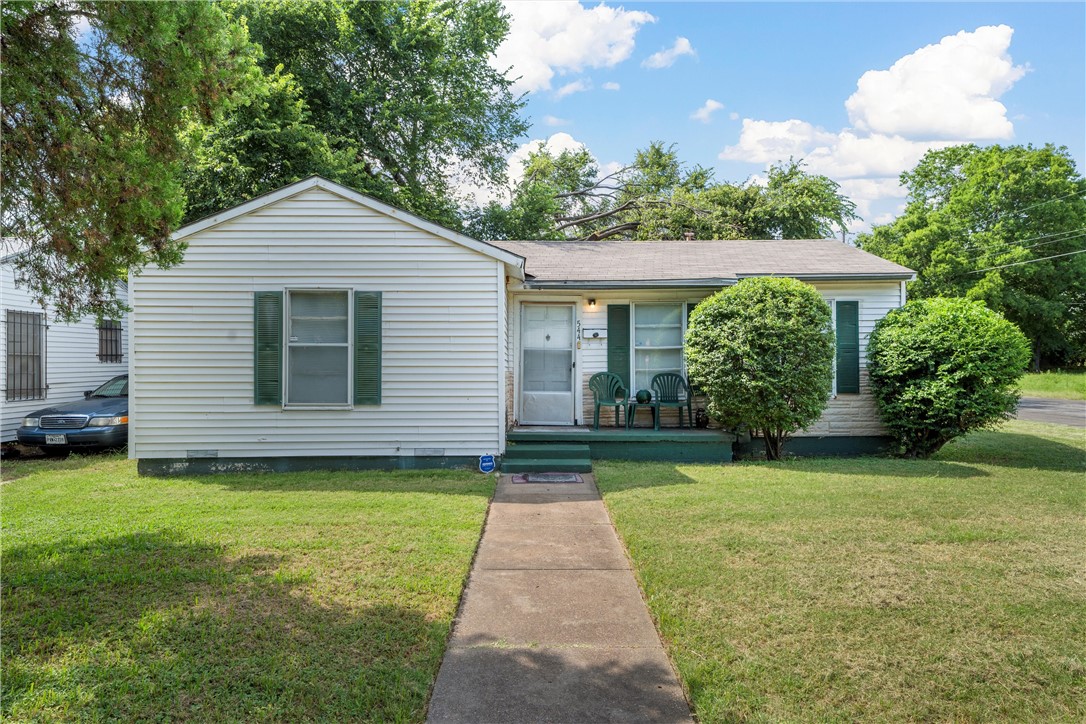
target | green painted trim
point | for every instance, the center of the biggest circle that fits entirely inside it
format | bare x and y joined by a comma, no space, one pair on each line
826,446
848,347
587,436
669,445
163,467
367,348
618,342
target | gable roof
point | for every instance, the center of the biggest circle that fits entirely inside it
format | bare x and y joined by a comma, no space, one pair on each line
627,264
513,262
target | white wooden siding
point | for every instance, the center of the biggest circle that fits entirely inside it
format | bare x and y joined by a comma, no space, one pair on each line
72,365
441,326
852,414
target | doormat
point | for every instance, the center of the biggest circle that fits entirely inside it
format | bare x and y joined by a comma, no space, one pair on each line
528,478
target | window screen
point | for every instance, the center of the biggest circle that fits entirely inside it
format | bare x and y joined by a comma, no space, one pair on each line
318,348
658,341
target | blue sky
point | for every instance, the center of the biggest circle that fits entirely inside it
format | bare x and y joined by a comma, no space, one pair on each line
615,76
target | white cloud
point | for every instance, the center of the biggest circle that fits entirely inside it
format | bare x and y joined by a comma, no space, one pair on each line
938,96
577,86
471,193
947,90
555,121
771,141
705,113
666,58
611,86
733,116
554,38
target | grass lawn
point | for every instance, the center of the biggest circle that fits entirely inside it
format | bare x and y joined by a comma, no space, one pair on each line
322,596
838,589
1064,385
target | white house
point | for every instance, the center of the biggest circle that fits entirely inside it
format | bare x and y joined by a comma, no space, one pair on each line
46,363
315,327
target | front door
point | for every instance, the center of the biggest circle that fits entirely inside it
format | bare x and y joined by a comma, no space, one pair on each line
547,361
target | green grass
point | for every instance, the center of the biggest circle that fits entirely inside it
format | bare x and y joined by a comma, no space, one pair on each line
319,596
1059,384
870,589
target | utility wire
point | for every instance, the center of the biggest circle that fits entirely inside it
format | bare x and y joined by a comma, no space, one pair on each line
1029,261
1080,233
967,247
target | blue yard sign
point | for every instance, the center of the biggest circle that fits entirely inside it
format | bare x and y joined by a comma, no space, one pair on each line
486,464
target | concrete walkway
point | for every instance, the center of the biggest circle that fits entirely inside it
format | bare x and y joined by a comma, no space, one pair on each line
552,627
1061,412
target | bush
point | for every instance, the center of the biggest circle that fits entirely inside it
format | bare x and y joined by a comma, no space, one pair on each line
762,352
943,367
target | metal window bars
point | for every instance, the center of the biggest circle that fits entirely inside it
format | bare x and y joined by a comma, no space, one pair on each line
26,347
109,341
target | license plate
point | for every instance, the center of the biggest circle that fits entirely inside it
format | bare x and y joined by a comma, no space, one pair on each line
56,439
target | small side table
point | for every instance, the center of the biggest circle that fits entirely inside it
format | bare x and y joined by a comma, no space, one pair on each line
631,412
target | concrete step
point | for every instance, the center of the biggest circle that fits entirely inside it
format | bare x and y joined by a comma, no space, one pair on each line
554,450
548,465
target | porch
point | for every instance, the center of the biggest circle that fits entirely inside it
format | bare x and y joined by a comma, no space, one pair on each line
531,448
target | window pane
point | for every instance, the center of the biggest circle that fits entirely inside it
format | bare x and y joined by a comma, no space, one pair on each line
319,317
651,362
317,375
548,370
659,336
659,313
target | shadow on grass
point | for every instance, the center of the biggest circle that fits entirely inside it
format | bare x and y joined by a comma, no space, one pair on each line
1015,450
450,482
154,626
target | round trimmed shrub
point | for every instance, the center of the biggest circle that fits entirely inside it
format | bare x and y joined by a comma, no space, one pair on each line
762,352
942,367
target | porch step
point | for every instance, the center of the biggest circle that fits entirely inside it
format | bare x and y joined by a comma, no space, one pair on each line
554,450
547,465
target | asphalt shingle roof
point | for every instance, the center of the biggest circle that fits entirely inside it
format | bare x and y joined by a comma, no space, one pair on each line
690,261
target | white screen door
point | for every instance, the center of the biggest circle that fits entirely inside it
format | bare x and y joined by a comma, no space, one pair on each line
546,381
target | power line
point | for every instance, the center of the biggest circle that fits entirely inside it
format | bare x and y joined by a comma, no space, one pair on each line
967,247
1079,233
1029,261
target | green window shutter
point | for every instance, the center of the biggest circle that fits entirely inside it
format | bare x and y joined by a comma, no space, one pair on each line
268,348
848,347
367,348
618,341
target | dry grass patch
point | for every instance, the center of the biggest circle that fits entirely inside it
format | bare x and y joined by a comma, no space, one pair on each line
870,588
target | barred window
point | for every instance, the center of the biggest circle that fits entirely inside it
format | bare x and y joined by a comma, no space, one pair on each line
25,378
109,341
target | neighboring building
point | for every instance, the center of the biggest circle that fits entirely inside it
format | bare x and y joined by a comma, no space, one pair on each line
47,363
316,327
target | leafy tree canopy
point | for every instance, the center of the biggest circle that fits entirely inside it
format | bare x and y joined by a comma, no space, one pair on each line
762,351
658,197
402,91
983,222
95,94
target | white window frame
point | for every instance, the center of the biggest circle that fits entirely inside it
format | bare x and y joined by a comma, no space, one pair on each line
683,311
347,404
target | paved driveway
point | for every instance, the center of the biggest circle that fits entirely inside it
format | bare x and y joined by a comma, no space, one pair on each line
1062,412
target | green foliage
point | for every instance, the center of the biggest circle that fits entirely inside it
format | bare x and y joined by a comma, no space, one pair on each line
92,159
974,209
658,197
404,90
762,351
942,367
258,147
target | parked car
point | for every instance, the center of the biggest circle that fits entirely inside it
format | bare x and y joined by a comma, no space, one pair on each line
99,422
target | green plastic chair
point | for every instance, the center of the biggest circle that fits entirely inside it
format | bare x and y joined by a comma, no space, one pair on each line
672,390
607,391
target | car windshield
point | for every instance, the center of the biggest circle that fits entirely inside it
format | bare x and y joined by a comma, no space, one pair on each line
117,387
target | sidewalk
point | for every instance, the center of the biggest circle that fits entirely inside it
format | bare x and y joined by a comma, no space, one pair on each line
552,626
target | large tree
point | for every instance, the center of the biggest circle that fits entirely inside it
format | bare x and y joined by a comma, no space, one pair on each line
658,197
94,97
1004,225
403,88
